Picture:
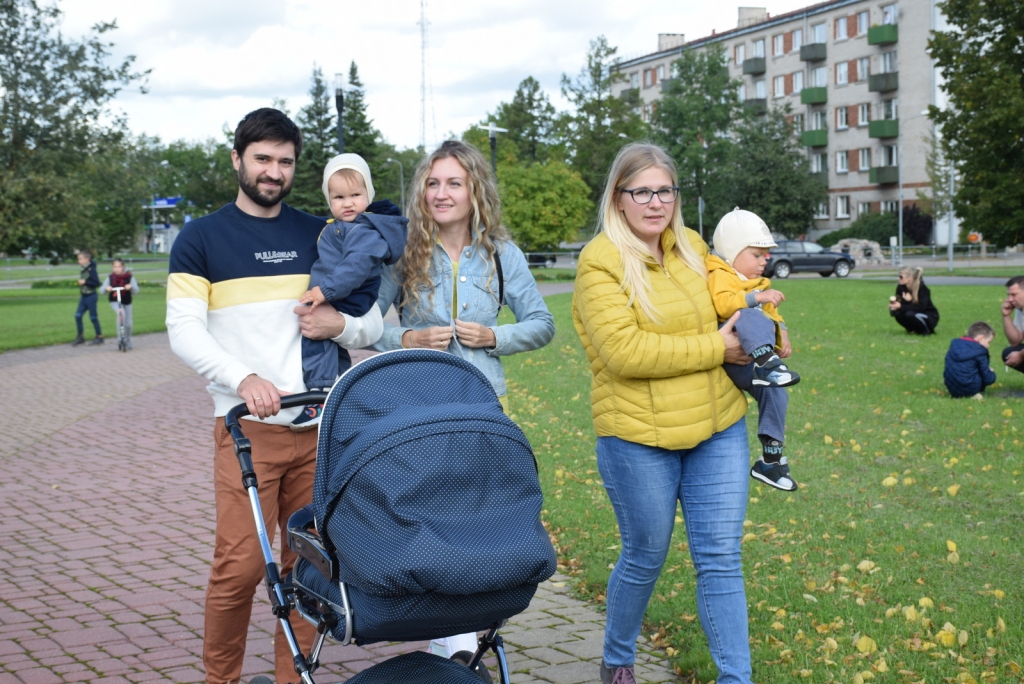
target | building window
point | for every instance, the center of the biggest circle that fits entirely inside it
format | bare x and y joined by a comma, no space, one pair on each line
759,90
890,109
863,114
661,72
648,76
889,63
890,155
822,212
889,14
842,161
647,111
842,73
798,81
741,91
843,206
865,158
798,39
889,206
741,54
819,163
759,47
779,86
818,33
862,23
778,45
841,28
863,68
863,208
818,120
634,79
798,124
842,122
819,77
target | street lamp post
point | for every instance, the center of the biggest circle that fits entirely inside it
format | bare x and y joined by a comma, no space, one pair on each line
401,180
949,247
492,133
899,172
339,103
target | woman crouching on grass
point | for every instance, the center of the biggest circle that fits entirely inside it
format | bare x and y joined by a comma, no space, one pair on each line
912,306
669,422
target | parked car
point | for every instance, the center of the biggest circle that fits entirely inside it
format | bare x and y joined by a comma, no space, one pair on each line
541,259
796,256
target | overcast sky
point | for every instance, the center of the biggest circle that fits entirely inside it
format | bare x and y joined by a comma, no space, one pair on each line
214,60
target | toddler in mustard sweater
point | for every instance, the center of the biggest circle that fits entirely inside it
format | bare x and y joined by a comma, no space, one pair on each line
741,243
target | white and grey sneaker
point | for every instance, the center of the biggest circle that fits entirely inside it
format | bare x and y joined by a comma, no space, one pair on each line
774,373
774,474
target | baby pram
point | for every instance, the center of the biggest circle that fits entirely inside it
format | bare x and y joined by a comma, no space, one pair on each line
425,519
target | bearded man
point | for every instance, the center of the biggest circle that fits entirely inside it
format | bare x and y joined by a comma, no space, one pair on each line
233,315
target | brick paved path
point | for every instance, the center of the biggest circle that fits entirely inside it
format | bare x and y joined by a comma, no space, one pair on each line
106,530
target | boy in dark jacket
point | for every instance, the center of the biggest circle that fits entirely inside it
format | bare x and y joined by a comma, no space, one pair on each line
354,246
967,371
88,281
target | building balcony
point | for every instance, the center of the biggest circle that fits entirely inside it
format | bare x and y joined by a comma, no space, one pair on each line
885,175
886,34
817,138
814,52
755,66
821,177
810,96
668,83
631,96
884,128
883,83
757,105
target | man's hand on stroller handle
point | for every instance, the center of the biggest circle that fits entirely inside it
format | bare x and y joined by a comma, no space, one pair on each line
436,337
261,397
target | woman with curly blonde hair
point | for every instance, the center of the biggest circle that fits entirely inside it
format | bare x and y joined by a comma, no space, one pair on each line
670,424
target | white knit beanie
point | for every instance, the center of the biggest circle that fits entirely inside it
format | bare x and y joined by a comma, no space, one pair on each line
348,161
738,230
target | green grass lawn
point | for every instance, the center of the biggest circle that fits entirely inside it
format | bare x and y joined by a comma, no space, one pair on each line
899,558
32,318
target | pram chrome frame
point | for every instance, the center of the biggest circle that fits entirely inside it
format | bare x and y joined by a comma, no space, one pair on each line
282,596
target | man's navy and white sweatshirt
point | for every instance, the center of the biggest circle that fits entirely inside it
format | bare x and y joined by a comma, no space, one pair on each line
967,368
234,282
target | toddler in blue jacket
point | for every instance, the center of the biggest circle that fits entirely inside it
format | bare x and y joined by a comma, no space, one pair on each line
353,246
967,371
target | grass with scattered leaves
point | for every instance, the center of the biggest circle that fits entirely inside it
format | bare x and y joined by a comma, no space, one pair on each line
898,560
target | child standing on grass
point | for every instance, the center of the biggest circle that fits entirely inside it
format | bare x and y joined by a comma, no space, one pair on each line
967,372
88,281
354,244
120,277
741,242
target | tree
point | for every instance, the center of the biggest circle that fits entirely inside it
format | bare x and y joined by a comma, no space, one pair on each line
360,136
600,124
982,59
917,226
769,174
54,94
543,204
530,120
200,172
698,110
316,120
936,201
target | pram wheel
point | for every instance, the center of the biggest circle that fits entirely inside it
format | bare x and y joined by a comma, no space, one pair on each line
465,657
261,680
416,668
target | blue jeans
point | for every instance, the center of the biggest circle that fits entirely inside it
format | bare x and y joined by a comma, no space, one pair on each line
87,303
710,482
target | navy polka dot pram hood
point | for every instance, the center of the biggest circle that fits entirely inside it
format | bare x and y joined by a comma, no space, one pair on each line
427,495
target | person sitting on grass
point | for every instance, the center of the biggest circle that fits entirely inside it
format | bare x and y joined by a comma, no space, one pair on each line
119,277
967,371
88,281
1013,323
912,306
742,241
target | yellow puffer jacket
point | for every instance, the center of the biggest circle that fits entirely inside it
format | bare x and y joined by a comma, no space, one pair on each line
655,383
729,292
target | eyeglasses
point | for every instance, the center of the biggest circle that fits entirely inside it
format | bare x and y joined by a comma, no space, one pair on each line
645,195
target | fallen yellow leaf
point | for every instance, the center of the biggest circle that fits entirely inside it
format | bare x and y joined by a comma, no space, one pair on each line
866,566
1008,413
999,594
953,558
881,665
910,613
806,673
749,536
866,644
962,637
945,638
925,602
889,481
1000,625
807,426
953,489
950,545
830,644
828,439
778,625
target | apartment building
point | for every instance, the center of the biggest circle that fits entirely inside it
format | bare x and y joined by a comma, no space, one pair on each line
857,77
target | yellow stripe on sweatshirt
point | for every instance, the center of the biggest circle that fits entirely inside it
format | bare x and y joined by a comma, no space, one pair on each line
187,286
254,290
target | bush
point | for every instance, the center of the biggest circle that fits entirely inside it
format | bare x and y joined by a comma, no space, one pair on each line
48,284
874,226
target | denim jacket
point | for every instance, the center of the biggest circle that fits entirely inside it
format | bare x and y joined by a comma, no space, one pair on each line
478,303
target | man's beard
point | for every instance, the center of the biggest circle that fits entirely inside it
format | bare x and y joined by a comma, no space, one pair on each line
252,190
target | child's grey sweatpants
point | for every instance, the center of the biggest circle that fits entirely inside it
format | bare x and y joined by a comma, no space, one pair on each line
756,330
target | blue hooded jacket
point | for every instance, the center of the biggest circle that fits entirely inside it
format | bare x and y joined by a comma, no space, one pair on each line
967,368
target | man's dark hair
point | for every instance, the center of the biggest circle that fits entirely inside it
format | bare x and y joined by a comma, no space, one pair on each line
980,329
267,123
1016,280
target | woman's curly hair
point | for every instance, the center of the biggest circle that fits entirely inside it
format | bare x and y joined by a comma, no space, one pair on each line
484,220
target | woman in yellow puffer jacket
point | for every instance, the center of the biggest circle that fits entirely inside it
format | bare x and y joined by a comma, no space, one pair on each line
669,422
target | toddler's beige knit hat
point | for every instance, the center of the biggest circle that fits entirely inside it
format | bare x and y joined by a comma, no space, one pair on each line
348,161
738,230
